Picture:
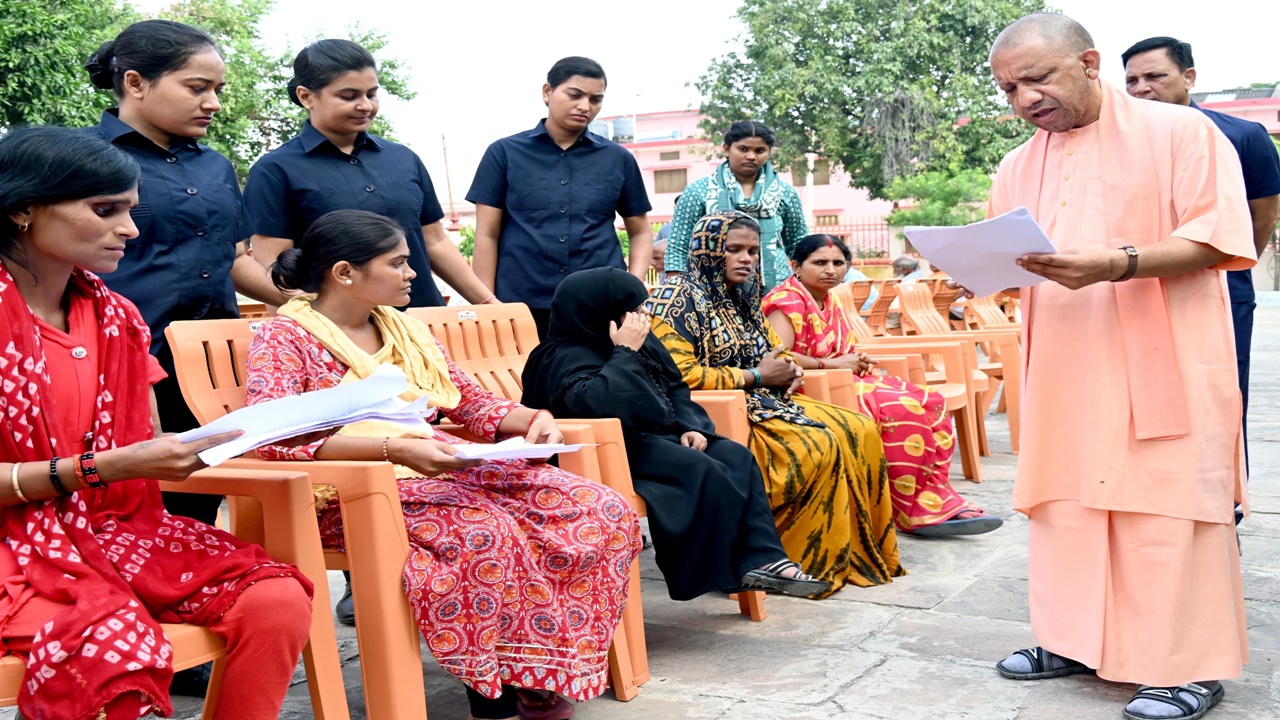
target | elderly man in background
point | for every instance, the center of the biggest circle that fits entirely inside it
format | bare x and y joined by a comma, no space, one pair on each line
908,270
1131,420
1162,68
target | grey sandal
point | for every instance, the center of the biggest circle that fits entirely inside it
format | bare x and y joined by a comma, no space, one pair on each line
770,578
1169,696
1041,662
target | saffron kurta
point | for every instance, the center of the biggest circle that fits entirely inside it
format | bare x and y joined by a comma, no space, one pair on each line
1142,173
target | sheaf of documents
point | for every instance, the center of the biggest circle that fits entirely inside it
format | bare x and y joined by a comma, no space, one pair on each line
373,398
983,256
513,449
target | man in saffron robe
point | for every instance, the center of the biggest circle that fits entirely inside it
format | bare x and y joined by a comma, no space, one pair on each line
1131,439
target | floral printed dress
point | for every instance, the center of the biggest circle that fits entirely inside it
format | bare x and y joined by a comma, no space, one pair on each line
517,573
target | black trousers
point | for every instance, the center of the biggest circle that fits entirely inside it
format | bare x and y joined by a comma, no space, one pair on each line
176,417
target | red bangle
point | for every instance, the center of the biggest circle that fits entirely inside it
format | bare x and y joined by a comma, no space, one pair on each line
821,365
534,419
87,471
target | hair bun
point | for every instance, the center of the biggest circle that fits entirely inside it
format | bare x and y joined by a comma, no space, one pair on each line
292,89
287,272
99,65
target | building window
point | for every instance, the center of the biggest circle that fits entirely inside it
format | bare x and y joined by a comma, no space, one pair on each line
826,220
670,181
673,155
822,171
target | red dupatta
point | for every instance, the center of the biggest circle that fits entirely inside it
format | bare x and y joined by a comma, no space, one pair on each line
115,560
820,332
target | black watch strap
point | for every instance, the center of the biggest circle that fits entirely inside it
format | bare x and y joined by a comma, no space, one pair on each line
1132,252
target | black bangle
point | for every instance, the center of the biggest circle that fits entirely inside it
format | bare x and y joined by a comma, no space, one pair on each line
54,479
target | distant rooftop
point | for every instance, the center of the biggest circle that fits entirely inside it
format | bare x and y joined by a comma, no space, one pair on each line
1237,94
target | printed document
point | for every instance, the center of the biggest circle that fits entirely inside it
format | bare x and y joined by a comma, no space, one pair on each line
983,256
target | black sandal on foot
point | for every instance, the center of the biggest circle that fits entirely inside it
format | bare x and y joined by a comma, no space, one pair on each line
770,578
1041,662
1169,696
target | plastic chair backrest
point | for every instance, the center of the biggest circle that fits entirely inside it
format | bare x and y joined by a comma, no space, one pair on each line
943,296
211,358
918,311
879,311
844,292
987,314
488,342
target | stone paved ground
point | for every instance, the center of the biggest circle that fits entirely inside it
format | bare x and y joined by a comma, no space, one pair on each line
922,647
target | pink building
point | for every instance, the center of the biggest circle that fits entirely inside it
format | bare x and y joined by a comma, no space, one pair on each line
1261,105
672,153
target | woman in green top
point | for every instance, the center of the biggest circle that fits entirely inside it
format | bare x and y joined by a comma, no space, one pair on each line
746,182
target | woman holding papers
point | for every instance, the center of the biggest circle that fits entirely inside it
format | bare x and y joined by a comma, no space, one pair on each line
918,435
91,560
518,571
708,512
824,465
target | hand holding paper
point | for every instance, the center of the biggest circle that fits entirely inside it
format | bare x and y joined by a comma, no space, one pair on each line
983,257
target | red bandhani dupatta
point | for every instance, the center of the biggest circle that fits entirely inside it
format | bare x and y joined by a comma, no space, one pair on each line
113,558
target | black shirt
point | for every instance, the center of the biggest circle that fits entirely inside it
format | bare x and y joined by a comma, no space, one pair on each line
308,176
558,208
189,221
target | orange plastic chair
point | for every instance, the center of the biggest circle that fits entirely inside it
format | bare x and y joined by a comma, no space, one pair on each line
492,342
289,535
210,359
984,313
254,310
879,312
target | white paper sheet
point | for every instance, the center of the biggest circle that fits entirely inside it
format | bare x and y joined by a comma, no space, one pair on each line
983,256
513,449
374,398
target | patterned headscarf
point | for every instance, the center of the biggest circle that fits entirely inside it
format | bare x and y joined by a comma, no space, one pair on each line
723,322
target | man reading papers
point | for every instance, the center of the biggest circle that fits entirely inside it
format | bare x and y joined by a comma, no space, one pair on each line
1131,418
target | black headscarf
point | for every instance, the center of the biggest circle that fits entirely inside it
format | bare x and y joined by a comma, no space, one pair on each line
578,346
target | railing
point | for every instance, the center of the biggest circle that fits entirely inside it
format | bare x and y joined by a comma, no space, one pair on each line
864,236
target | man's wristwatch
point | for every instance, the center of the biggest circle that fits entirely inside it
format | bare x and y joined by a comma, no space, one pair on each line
1132,252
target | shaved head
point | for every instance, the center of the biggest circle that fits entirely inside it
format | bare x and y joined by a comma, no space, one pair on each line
1053,31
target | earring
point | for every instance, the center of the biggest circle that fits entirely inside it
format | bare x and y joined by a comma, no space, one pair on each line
23,227
348,281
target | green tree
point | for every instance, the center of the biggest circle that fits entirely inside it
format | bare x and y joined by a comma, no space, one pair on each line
43,46
940,198
885,89
44,43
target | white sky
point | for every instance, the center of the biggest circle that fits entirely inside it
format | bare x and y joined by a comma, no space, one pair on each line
478,65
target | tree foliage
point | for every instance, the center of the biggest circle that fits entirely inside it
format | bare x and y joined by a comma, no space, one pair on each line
44,43
940,198
884,88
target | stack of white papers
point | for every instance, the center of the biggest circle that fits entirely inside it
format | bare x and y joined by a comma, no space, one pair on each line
513,449
983,256
373,398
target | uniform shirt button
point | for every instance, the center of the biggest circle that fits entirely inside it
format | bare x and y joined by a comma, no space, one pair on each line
564,210
199,232
563,239
171,159
79,353
355,161
563,269
192,191
564,182
368,188
562,153
204,273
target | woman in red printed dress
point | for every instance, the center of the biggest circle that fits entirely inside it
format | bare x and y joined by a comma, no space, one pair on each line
518,571
919,437
91,562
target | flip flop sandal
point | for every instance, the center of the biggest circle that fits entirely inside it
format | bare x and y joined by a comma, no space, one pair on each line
533,705
770,579
1169,696
959,526
1041,661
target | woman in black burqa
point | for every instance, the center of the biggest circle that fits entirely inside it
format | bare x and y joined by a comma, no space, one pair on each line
708,513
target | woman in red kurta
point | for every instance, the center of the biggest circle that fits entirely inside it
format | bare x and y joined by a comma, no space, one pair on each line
91,562
518,571
919,438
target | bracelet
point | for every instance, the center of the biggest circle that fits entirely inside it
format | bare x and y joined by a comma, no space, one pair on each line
386,455
534,419
756,374
17,489
87,471
821,365
55,479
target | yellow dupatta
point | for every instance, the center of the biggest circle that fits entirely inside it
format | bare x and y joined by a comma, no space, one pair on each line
407,344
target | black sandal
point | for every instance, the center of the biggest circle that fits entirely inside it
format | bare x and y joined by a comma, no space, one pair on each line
1169,696
770,578
1041,661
